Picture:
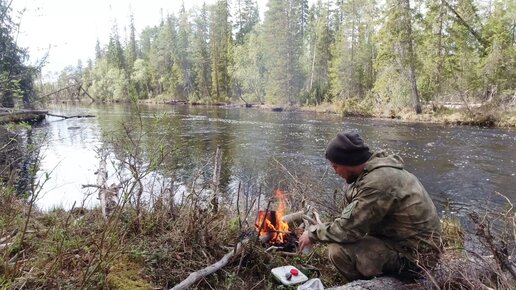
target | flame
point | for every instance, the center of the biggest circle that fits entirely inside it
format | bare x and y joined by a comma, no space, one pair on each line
279,229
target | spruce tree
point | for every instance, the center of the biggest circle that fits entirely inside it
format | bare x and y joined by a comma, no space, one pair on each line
245,17
221,42
201,54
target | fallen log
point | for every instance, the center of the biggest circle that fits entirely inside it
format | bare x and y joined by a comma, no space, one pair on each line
86,93
79,87
59,90
70,117
197,276
22,116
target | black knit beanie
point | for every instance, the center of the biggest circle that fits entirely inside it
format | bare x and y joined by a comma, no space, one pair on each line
347,148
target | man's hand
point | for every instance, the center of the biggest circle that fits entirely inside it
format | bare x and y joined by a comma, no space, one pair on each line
304,241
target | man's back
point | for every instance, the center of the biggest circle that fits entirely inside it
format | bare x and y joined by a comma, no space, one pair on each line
405,215
390,224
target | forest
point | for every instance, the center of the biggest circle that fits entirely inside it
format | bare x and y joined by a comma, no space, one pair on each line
356,55
195,197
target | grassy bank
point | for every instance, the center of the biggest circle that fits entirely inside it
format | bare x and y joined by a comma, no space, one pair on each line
157,243
79,249
487,115
481,115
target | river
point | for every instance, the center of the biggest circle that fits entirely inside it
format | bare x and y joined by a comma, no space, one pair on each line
461,167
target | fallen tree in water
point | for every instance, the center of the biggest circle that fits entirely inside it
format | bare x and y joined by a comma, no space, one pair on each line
70,117
10,116
32,116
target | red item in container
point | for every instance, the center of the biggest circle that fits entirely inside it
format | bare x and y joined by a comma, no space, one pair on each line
294,272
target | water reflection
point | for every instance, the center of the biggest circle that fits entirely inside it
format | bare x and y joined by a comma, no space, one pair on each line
464,165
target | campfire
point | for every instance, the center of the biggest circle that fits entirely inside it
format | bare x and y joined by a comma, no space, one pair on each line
273,230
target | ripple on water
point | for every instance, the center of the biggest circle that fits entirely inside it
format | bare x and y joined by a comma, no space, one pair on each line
467,163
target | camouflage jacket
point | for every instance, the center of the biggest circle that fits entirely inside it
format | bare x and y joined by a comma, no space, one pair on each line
389,203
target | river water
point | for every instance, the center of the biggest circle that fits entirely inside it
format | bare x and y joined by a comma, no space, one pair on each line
461,167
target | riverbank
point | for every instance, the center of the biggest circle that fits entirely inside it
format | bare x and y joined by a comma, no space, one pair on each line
484,116
489,115
158,244
80,249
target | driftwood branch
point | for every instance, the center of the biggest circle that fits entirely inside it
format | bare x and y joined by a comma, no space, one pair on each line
108,195
69,117
294,217
197,276
216,180
79,89
497,247
59,90
86,93
317,217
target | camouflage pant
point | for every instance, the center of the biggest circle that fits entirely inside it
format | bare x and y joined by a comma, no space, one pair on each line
366,258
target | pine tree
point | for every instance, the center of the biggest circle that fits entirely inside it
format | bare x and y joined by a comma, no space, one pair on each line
163,61
434,50
248,69
98,50
147,36
16,78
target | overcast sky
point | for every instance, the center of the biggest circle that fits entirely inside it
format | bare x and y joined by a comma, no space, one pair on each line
68,29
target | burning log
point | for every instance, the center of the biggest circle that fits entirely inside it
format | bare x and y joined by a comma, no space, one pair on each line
272,227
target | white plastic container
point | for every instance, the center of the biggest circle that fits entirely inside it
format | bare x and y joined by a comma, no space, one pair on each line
312,284
281,274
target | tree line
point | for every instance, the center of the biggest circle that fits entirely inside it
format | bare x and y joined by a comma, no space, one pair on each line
394,52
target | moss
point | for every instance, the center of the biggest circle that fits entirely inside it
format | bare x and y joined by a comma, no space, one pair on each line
453,234
126,274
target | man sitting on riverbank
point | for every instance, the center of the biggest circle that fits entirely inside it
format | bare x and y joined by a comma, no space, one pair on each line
390,224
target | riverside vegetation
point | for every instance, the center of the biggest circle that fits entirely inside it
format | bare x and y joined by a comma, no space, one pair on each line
156,240
354,57
394,58
416,60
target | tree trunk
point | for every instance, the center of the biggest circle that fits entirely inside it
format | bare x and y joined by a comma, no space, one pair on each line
7,100
410,56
